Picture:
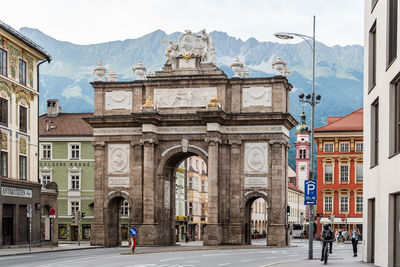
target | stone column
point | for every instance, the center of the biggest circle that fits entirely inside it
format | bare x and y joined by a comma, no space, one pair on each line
213,231
277,223
148,234
98,226
234,228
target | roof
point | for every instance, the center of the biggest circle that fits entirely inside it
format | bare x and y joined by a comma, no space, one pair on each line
24,39
67,124
291,172
294,188
352,122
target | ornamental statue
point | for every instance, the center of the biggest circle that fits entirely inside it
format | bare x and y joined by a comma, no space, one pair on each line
190,45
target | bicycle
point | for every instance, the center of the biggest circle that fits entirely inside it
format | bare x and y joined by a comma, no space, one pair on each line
325,250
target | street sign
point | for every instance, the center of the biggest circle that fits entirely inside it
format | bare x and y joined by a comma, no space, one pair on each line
29,211
52,211
343,219
310,194
133,231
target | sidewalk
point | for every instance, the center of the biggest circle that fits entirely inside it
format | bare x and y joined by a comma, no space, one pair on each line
333,261
61,247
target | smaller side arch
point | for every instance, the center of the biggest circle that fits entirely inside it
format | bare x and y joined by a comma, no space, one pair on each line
250,195
115,194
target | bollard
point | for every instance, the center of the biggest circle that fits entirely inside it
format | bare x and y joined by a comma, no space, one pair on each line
133,244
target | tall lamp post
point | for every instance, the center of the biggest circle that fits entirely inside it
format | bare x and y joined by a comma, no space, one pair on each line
313,100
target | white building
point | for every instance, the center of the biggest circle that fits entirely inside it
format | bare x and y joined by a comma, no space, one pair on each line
295,200
381,237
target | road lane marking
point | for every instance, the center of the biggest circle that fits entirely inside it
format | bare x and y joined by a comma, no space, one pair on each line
224,264
246,260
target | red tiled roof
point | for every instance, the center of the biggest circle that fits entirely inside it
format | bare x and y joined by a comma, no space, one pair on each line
294,188
350,122
67,124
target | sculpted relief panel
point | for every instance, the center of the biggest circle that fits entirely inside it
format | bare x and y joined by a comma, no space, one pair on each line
118,158
256,158
184,97
118,100
257,96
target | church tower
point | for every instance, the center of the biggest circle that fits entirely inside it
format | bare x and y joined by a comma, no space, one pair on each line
302,152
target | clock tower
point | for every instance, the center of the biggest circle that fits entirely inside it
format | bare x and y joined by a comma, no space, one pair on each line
302,152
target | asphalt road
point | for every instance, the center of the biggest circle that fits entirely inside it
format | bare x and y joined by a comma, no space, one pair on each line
292,256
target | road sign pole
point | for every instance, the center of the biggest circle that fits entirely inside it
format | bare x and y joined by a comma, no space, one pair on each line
30,234
79,228
51,233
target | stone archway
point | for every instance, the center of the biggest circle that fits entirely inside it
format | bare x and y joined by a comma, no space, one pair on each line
248,200
143,128
112,211
165,175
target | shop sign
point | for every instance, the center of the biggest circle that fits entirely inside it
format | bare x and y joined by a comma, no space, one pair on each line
16,192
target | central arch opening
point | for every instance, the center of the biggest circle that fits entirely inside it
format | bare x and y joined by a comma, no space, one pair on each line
256,221
186,172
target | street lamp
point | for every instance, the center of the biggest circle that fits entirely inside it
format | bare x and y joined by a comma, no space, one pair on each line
313,101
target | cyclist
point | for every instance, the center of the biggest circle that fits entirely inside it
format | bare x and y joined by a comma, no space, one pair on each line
326,235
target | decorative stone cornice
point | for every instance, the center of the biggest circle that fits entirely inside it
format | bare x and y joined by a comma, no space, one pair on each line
214,140
149,141
98,145
236,141
278,142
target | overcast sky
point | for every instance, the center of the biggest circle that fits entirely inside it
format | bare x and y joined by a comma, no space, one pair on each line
95,21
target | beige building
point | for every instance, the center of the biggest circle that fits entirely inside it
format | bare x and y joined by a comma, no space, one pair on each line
19,100
381,238
295,200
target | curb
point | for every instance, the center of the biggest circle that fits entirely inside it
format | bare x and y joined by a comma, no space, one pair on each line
46,251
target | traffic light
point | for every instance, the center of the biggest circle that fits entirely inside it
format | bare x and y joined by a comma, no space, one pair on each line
287,210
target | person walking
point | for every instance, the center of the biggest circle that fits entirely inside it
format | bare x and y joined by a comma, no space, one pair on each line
355,236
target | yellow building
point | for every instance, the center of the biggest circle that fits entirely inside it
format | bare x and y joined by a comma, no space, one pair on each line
19,101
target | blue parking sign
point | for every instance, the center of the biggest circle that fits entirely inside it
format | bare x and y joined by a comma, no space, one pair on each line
310,194
133,231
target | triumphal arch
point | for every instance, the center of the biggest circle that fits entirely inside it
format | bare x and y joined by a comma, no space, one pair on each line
143,129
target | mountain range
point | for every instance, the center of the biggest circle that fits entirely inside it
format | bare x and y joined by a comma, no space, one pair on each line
339,69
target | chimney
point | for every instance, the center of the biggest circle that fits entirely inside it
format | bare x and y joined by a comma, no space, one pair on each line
53,108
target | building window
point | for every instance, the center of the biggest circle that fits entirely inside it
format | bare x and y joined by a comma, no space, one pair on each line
372,57
75,181
203,186
23,119
395,112
74,151
344,203
3,111
22,167
375,133
74,207
4,164
359,204
125,208
203,209
45,179
344,147
328,173
344,173
328,147
190,208
3,62
392,31
190,183
46,151
328,204
359,147
359,173
22,72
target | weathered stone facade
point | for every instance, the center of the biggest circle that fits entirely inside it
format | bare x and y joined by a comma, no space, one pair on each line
242,139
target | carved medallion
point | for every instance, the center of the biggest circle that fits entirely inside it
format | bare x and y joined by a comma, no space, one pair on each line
118,159
187,43
256,158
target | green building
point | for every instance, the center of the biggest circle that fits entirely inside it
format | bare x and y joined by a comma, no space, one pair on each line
67,158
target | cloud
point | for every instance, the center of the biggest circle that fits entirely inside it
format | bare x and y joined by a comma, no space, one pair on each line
76,92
